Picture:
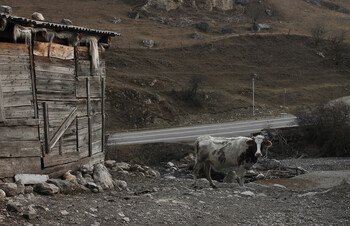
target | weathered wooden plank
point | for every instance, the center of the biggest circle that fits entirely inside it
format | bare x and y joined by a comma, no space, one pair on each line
20,149
54,160
20,122
95,87
9,75
11,166
53,50
66,123
17,60
55,68
2,107
24,133
96,147
54,75
84,68
15,85
57,171
14,67
19,112
20,98
95,107
56,85
13,48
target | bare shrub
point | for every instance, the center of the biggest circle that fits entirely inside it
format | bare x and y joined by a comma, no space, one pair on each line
327,127
338,50
190,94
318,34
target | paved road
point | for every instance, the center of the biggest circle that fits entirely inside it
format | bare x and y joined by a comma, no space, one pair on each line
186,134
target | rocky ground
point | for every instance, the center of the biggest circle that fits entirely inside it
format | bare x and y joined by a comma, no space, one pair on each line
165,199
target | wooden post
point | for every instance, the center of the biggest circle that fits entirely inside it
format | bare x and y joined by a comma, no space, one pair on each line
89,114
33,78
76,58
2,113
103,89
46,127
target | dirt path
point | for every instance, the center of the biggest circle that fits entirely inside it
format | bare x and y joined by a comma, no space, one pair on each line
171,201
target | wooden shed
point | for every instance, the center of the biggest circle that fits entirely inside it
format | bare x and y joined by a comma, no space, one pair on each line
52,93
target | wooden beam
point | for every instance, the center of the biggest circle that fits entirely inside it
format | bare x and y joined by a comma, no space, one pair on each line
103,89
46,127
2,111
63,128
89,114
33,79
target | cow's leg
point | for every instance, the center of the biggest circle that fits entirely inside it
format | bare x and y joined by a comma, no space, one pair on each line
196,168
208,174
241,173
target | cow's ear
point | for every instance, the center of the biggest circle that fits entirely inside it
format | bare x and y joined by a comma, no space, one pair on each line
250,142
267,143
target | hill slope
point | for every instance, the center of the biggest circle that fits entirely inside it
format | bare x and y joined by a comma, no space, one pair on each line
152,87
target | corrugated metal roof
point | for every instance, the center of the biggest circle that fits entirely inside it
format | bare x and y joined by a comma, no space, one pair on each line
46,24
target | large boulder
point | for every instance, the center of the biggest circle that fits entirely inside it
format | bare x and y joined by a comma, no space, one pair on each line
31,178
9,188
46,189
64,185
102,176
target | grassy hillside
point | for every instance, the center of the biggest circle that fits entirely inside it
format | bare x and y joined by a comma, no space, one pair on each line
151,87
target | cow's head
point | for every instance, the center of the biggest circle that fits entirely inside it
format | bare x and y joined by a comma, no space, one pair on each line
260,143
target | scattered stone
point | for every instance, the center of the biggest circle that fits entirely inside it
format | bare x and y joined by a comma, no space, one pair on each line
170,164
64,186
2,194
91,186
268,12
202,26
87,169
5,9
230,177
46,189
134,15
70,177
30,214
11,207
121,184
66,21
9,188
123,165
92,209
148,43
153,173
197,36
261,195
28,190
227,30
20,187
320,54
248,193
264,26
88,178
137,168
170,177
242,2
260,176
102,176
279,186
126,219
110,163
38,16
116,20
31,178
64,212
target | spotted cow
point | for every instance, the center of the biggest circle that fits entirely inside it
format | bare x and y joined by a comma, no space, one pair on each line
223,153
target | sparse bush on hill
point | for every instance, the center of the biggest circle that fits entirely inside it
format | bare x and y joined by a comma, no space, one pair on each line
190,94
327,127
318,33
338,50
